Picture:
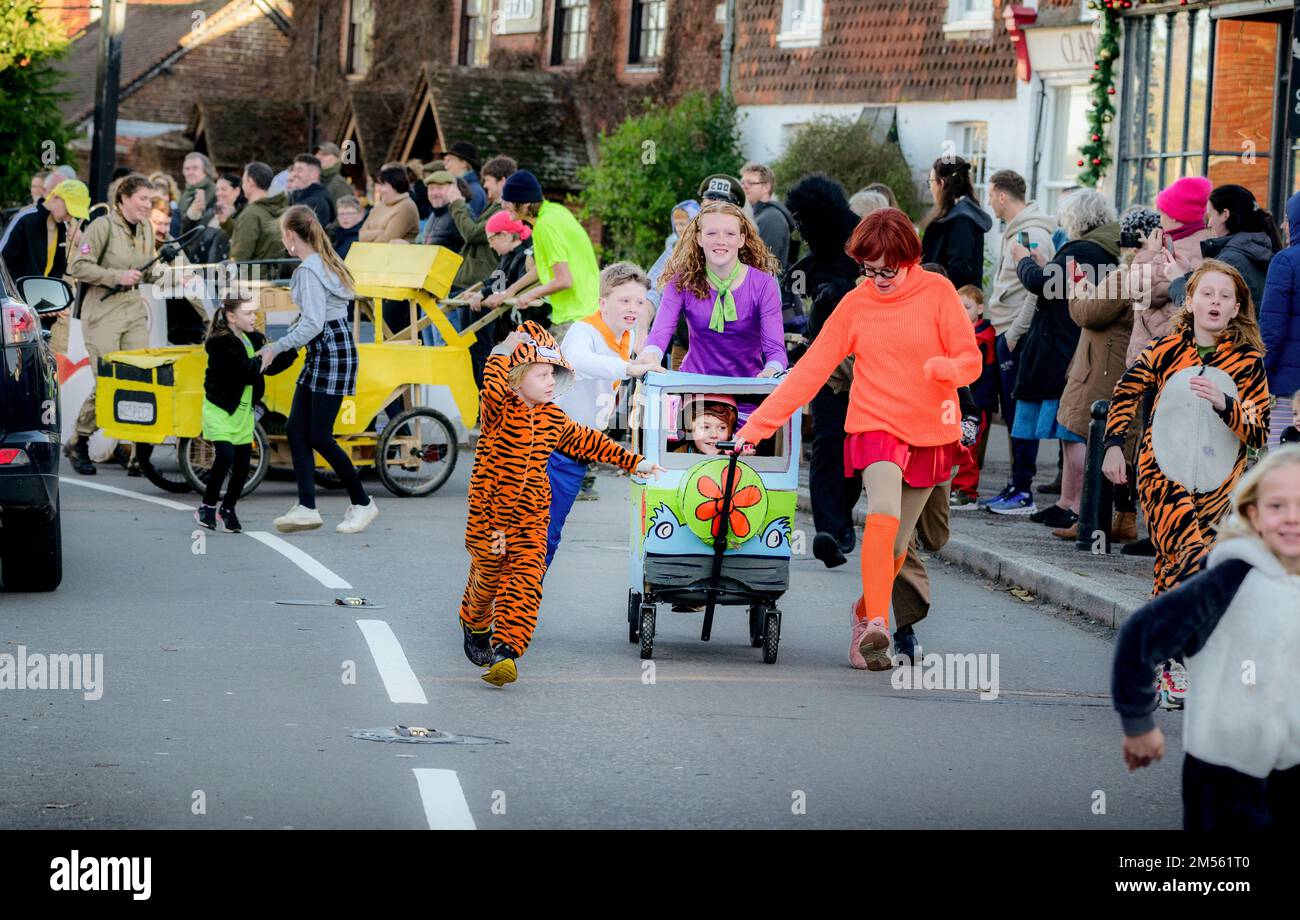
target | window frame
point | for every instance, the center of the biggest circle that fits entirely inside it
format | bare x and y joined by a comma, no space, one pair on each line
808,34
467,22
560,34
957,133
636,33
1132,157
962,20
350,25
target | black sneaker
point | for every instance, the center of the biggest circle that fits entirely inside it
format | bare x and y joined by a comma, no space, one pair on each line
1053,487
905,644
229,522
207,516
478,645
1055,516
502,669
1142,547
827,549
848,541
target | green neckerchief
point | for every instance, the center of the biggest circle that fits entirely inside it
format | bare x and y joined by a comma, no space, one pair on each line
724,305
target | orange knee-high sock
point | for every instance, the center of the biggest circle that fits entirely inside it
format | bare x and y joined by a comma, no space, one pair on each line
898,564
878,565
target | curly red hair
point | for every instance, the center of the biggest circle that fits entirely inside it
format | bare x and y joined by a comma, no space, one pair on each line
886,235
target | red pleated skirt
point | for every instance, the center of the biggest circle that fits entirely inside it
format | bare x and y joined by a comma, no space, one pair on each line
922,466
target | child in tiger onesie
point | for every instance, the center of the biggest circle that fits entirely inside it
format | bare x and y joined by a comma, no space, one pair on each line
510,494
1211,405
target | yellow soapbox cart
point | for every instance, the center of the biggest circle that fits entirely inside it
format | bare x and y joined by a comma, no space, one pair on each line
153,397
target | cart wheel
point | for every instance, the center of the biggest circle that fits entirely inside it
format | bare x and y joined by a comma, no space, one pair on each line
633,621
416,452
647,630
756,626
197,455
771,636
162,466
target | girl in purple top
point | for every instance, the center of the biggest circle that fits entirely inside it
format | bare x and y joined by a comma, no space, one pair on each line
721,277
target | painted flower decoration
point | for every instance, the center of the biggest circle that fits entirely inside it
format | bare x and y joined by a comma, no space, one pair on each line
711,508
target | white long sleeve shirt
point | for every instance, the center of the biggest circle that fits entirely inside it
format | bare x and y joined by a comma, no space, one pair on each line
597,369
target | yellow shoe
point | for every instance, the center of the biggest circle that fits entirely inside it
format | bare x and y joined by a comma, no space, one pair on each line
502,670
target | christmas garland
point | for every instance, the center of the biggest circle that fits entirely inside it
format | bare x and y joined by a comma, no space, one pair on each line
1094,156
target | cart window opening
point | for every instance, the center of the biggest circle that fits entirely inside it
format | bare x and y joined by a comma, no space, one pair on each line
691,425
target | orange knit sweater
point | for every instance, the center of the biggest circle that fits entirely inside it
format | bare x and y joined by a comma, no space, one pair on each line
912,347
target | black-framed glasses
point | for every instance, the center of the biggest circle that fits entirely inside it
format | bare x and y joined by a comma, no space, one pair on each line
869,272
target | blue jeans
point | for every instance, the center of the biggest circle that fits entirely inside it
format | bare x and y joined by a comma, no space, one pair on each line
566,475
1024,452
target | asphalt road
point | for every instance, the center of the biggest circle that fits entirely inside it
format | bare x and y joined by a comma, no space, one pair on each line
222,708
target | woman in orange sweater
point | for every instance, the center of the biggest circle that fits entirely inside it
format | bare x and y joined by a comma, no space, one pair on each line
913,346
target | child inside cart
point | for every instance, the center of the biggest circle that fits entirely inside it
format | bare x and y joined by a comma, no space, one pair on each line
706,420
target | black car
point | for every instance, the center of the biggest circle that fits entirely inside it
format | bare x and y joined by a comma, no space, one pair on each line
31,550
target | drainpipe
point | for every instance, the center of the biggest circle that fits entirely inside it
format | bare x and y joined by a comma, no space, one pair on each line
728,43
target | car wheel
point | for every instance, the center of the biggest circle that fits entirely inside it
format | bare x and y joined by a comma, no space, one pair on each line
31,551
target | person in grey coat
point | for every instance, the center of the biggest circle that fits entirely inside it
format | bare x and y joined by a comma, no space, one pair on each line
322,288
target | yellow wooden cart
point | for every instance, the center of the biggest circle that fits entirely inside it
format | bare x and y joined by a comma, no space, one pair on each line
154,396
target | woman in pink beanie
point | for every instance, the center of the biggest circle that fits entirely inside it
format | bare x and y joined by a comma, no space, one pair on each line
1182,224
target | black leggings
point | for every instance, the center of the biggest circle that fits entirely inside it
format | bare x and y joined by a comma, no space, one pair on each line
231,458
311,427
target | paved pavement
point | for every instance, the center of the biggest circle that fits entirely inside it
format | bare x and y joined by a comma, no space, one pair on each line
1014,551
222,709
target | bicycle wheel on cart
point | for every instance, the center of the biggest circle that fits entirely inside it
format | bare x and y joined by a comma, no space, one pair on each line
416,452
161,465
198,454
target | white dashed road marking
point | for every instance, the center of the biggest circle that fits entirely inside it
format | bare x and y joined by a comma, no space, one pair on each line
445,807
399,680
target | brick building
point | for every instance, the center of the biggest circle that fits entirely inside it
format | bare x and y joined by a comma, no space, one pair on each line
942,73
174,54
594,60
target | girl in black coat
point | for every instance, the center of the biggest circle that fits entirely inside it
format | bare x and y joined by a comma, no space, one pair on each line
953,231
232,385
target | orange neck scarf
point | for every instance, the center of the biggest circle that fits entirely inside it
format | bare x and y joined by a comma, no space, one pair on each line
621,346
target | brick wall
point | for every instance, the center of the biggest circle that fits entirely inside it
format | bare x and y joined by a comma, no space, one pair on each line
408,33
244,58
72,16
1245,58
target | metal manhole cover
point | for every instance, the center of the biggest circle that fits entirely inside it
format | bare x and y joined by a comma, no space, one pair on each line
415,734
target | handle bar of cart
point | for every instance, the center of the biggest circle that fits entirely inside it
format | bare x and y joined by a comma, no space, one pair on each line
720,540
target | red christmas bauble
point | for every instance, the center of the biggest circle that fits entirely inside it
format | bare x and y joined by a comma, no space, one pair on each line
1081,162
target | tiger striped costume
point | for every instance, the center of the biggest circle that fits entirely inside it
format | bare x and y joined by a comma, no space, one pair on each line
510,492
1181,520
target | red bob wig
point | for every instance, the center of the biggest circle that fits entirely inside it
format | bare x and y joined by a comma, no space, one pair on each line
886,235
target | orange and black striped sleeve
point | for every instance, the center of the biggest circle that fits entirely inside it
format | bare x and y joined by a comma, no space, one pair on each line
1248,413
592,446
496,389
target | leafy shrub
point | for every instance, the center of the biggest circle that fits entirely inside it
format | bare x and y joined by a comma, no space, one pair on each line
648,164
844,148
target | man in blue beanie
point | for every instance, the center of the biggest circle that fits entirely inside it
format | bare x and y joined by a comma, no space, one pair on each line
562,252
